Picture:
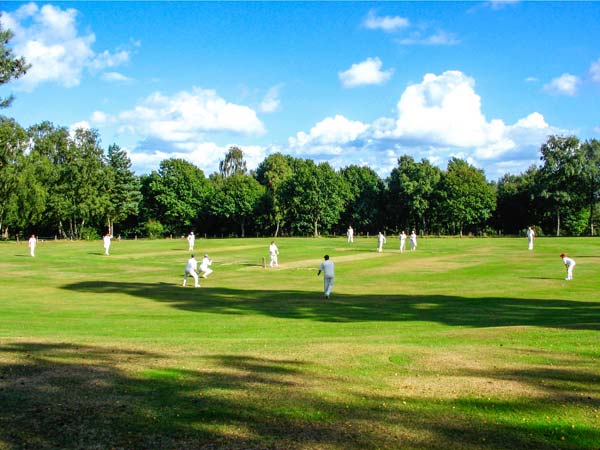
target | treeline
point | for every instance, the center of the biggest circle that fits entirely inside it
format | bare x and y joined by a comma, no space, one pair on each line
54,183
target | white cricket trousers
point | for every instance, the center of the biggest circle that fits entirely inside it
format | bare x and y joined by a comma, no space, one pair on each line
328,285
194,276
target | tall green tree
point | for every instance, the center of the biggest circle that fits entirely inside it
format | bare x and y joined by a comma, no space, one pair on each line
591,178
365,203
234,163
314,196
272,173
178,193
411,189
515,208
236,198
11,67
13,143
84,182
560,176
124,188
468,199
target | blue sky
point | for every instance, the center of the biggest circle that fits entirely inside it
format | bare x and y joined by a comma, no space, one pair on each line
345,82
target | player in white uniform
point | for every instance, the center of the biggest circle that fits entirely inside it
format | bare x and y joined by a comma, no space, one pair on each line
413,241
569,264
350,234
274,252
380,241
191,269
32,243
530,237
191,241
206,271
106,242
327,268
402,241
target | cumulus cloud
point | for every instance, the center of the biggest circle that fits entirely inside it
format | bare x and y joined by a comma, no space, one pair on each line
566,84
438,118
328,134
271,102
49,40
365,73
385,23
186,116
594,71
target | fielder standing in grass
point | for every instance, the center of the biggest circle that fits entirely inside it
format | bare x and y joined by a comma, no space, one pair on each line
413,241
530,237
569,264
191,241
32,243
204,266
106,240
328,275
274,253
350,234
380,241
190,269
402,241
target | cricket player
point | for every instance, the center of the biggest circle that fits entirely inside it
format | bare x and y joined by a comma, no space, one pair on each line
569,264
191,269
106,240
402,241
413,241
380,241
350,234
530,237
191,241
32,243
327,268
274,252
206,271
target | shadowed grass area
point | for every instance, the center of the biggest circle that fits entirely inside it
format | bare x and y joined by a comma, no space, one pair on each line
472,343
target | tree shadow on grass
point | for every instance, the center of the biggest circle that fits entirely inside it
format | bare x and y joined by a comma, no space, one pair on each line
88,397
450,310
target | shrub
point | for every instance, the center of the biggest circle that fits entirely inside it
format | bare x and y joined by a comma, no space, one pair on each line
154,229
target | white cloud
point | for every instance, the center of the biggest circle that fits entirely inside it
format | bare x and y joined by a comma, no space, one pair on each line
438,38
531,80
101,118
366,72
327,135
437,118
271,102
595,71
566,84
116,77
385,23
186,116
49,40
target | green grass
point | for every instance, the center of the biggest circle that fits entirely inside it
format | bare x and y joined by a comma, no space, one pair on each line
463,344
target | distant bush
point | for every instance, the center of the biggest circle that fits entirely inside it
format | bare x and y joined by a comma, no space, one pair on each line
154,229
89,234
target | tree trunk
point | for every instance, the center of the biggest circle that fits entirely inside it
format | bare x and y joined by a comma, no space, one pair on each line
592,211
276,228
557,223
243,229
316,231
